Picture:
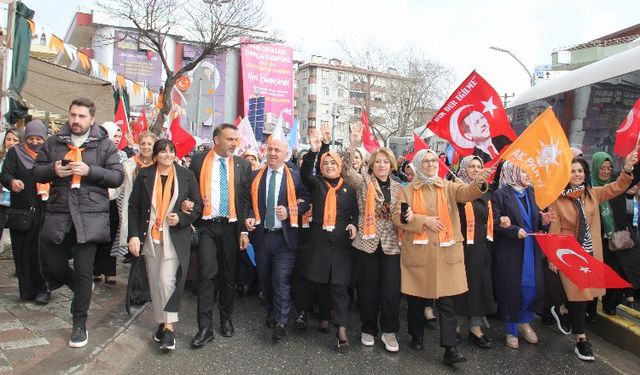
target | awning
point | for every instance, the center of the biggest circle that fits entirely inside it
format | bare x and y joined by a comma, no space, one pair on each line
52,88
613,66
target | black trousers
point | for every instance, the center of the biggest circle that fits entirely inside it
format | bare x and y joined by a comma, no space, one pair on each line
79,279
378,291
577,311
105,264
26,255
446,317
333,297
217,263
614,297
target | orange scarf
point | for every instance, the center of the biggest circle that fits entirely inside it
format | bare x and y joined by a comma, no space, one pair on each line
140,163
369,231
306,218
161,199
445,236
471,222
330,203
205,187
41,189
74,154
292,201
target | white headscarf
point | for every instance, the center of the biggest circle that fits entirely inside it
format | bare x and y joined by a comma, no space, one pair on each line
111,129
417,166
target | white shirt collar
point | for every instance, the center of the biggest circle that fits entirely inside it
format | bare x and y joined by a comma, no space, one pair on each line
279,170
218,157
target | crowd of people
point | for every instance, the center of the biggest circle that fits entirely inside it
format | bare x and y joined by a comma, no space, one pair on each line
325,229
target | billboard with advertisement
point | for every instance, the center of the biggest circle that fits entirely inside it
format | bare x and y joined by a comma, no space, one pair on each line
267,78
134,62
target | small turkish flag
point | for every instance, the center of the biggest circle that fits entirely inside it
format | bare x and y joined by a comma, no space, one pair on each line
123,123
576,264
183,141
369,141
237,121
473,120
627,134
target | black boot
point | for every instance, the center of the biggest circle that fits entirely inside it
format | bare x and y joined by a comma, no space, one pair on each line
452,355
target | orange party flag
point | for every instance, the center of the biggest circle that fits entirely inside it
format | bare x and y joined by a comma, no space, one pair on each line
542,151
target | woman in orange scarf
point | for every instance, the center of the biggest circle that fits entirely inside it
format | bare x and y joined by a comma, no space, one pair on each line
432,257
27,196
476,219
161,231
131,168
333,227
377,254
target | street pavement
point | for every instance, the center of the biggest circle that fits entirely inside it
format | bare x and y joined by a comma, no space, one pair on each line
33,340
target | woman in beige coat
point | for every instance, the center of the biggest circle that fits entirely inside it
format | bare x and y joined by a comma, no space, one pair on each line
578,213
432,256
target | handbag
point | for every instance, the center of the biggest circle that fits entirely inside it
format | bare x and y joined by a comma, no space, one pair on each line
195,237
20,220
138,291
620,240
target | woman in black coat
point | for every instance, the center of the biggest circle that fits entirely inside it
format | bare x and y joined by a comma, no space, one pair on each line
161,231
517,261
25,196
333,228
477,230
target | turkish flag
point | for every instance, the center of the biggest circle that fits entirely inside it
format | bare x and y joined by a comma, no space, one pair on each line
369,141
543,151
123,123
419,144
139,126
473,120
576,264
627,134
183,141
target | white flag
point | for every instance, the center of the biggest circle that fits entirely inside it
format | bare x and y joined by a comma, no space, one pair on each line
247,138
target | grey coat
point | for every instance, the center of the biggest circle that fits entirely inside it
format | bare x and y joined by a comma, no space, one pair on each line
86,208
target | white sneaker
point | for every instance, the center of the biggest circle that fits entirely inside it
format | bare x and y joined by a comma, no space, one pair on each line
390,342
367,339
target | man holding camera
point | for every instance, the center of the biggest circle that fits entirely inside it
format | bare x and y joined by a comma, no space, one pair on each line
81,163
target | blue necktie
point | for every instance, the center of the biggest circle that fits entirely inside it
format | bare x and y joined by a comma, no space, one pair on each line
270,220
224,189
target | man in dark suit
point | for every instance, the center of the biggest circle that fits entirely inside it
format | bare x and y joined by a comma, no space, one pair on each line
275,234
222,230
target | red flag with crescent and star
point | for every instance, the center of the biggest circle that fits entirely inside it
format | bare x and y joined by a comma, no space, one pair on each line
473,120
627,134
576,264
369,141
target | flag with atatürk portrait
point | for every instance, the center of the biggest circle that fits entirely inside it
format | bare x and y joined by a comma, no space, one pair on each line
473,120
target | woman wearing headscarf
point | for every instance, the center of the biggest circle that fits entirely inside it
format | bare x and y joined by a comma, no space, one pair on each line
476,220
333,227
613,216
518,282
377,254
578,211
432,256
161,231
28,197
104,263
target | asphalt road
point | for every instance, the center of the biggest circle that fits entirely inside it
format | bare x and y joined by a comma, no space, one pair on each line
251,351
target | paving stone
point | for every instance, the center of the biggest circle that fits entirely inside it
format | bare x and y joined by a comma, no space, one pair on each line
9,325
21,344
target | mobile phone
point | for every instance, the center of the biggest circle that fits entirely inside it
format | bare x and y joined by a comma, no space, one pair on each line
65,162
403,212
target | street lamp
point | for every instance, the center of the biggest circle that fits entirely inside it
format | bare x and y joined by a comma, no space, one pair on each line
517,59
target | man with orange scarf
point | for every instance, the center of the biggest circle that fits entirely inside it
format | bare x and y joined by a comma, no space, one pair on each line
81,163
224,186
278,198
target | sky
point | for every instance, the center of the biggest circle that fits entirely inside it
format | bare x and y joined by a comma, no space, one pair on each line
457,33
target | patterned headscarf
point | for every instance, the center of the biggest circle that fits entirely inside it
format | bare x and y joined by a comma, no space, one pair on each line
512,175
417,166
462,171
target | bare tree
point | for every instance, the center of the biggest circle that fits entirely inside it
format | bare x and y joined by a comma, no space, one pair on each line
212,27
399,90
